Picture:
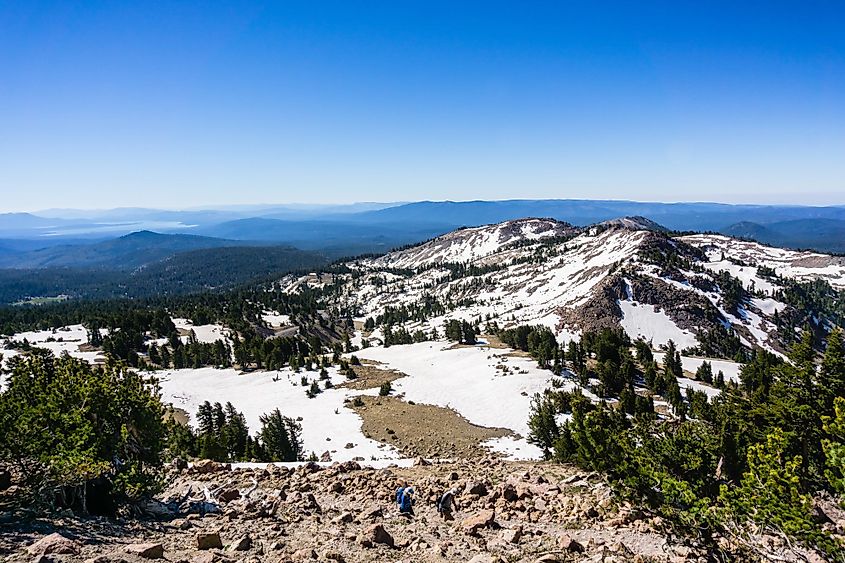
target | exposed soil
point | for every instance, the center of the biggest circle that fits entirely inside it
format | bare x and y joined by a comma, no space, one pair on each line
371,376
423,430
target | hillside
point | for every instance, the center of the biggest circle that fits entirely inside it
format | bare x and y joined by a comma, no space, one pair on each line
347,230
825,235
174,274
626,273
341,237
679,216
123,253
216,268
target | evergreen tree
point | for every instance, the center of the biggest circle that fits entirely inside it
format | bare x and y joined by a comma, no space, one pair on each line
281,437
704,372
64,423
831,373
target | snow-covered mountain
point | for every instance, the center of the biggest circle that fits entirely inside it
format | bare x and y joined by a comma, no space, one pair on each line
627,272
470,244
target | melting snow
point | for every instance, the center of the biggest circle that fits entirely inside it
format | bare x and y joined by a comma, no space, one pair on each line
639,319
326,423
466,379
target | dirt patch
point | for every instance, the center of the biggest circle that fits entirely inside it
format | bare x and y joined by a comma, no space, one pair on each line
371,376
423,430
493,341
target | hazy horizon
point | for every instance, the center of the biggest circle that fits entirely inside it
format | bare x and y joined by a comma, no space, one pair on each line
303,206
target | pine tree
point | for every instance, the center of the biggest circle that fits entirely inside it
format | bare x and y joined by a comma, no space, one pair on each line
704,372
235,434
831,374
64,422
281,437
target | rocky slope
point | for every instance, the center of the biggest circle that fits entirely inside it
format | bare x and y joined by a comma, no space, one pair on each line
506,512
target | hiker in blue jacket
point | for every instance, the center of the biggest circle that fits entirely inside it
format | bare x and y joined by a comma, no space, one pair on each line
405,500
399,493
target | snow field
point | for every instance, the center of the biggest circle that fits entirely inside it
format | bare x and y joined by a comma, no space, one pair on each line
275,319
802,265
64,339
639,319
466,379
514,449
205,333
326,423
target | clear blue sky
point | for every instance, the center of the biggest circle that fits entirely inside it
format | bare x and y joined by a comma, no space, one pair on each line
192,103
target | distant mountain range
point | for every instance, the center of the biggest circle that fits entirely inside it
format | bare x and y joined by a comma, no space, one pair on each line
119,239
123,253
826,235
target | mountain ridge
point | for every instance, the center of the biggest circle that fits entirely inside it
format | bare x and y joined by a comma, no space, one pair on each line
625,274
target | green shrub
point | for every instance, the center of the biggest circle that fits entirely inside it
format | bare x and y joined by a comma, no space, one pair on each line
65,424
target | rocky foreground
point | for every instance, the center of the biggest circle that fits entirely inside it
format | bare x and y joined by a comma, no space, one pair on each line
508,512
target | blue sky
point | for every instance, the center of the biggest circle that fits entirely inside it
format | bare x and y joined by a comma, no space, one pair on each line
176,104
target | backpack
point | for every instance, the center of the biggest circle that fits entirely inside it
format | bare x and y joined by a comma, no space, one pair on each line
400,492
405,502
445,502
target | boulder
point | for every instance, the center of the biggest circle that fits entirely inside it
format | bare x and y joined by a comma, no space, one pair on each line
344,518
205,466
372,512
304,554
509,493
375,534
209,540
54,544
421,461
146,550
476,488
567,543
229,495
483,519
512,535
348,466
243,543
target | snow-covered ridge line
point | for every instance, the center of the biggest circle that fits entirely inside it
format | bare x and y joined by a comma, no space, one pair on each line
803,265
541,271
465,245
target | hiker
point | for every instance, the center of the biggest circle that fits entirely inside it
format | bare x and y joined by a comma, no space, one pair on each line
399,491
446,503
405,500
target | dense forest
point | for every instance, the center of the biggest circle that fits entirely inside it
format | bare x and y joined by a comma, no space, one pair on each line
184,273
